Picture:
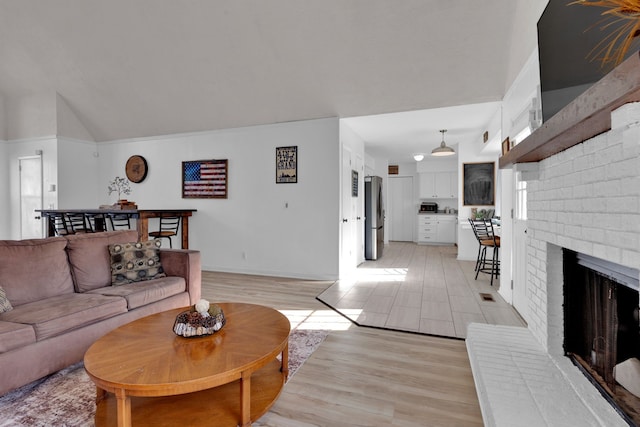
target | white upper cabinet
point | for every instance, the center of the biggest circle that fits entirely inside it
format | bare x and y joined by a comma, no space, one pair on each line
439,185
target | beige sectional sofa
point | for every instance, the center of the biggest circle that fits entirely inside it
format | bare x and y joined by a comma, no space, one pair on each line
62,299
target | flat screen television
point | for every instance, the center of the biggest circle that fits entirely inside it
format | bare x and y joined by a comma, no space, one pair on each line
567,36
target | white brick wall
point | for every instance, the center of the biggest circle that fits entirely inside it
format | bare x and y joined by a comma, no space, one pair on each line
587,199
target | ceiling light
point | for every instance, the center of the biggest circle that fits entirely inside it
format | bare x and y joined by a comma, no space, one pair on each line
443,150
418,157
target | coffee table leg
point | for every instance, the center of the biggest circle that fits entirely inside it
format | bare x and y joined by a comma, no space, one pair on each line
123,405
100,394
245,399
285,361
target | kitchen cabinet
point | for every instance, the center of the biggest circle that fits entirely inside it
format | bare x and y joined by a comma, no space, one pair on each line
439,185
437,228
446,230
427,228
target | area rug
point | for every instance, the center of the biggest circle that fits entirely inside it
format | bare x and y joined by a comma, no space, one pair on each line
67,398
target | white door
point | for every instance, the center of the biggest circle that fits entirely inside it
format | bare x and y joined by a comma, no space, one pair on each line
30,170
520,285
401,209
348,257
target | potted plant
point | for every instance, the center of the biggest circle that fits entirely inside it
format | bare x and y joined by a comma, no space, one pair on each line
121,186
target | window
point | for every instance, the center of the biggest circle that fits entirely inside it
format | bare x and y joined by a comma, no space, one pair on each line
521,197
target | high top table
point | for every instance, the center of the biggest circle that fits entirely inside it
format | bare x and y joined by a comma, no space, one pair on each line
147,375
140,215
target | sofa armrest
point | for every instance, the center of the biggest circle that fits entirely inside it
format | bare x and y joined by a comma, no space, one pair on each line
184,263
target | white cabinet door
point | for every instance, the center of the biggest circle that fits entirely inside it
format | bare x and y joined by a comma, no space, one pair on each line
427,185
443,185
439,185
453,180
446,230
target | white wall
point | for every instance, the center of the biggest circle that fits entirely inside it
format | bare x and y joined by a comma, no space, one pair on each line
516,106
26,148
471,152
77,182
5,205
262,227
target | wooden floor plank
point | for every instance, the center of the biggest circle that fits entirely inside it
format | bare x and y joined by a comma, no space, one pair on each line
360,376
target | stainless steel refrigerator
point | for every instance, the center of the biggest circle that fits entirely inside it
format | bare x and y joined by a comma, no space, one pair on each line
374,218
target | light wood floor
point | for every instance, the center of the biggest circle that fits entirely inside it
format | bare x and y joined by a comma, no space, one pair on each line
420,289
358,376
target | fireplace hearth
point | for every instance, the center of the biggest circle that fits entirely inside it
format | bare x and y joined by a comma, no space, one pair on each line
601,328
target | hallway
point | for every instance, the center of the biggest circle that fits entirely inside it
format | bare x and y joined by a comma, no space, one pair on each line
422,289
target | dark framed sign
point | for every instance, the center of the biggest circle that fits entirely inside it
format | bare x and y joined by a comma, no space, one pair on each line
354,183
479,184
286,165
204,179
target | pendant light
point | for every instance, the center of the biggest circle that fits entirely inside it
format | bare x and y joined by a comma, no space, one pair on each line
418,157
443,150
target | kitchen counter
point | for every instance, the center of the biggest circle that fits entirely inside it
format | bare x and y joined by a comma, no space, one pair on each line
437,213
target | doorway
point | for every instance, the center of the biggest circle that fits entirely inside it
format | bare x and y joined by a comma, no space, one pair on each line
402,209
520,285
30,176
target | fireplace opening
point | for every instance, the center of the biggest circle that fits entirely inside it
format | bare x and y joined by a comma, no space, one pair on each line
601,328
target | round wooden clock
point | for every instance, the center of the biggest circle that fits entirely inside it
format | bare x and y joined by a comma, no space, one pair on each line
136,168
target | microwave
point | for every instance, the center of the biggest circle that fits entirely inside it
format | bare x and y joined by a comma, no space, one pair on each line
429,207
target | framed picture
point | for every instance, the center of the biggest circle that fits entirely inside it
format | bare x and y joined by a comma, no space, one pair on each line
479,184
505,146
286,165
204,179
354,183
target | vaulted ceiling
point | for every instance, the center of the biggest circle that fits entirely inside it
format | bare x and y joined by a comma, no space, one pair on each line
134,68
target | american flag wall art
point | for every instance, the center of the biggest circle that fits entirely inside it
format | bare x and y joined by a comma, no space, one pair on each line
204,179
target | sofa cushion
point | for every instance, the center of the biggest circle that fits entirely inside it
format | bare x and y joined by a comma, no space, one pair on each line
89,257
15,335
56,315
146,292
135,261
5,304
31,270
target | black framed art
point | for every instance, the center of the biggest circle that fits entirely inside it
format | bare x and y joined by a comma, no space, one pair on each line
286,165
354,183
479,184
204,179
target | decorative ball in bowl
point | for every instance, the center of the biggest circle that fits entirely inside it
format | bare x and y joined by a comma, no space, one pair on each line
201,319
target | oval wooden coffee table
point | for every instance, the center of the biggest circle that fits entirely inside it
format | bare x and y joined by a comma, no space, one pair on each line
147,375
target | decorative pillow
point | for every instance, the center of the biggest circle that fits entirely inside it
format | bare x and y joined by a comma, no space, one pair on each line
5,304
134,262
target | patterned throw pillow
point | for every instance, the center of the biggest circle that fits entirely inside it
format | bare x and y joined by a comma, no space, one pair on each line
134,262
5,304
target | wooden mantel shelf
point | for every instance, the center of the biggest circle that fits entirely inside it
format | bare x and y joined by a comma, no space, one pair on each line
585,117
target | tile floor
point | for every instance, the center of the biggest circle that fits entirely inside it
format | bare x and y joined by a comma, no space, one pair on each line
422,289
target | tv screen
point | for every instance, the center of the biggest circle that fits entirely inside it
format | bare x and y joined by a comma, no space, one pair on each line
568,36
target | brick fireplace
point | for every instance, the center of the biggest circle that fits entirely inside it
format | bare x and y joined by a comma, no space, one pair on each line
583,197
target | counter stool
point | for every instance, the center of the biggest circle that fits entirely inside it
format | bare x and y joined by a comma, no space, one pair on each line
484,232
120,221
168,228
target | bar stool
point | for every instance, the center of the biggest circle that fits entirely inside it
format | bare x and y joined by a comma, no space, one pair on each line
79,223
58,223
485,234
120,221
168,228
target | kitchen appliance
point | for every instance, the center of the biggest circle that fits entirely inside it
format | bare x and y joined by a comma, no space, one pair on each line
429,207
374,218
